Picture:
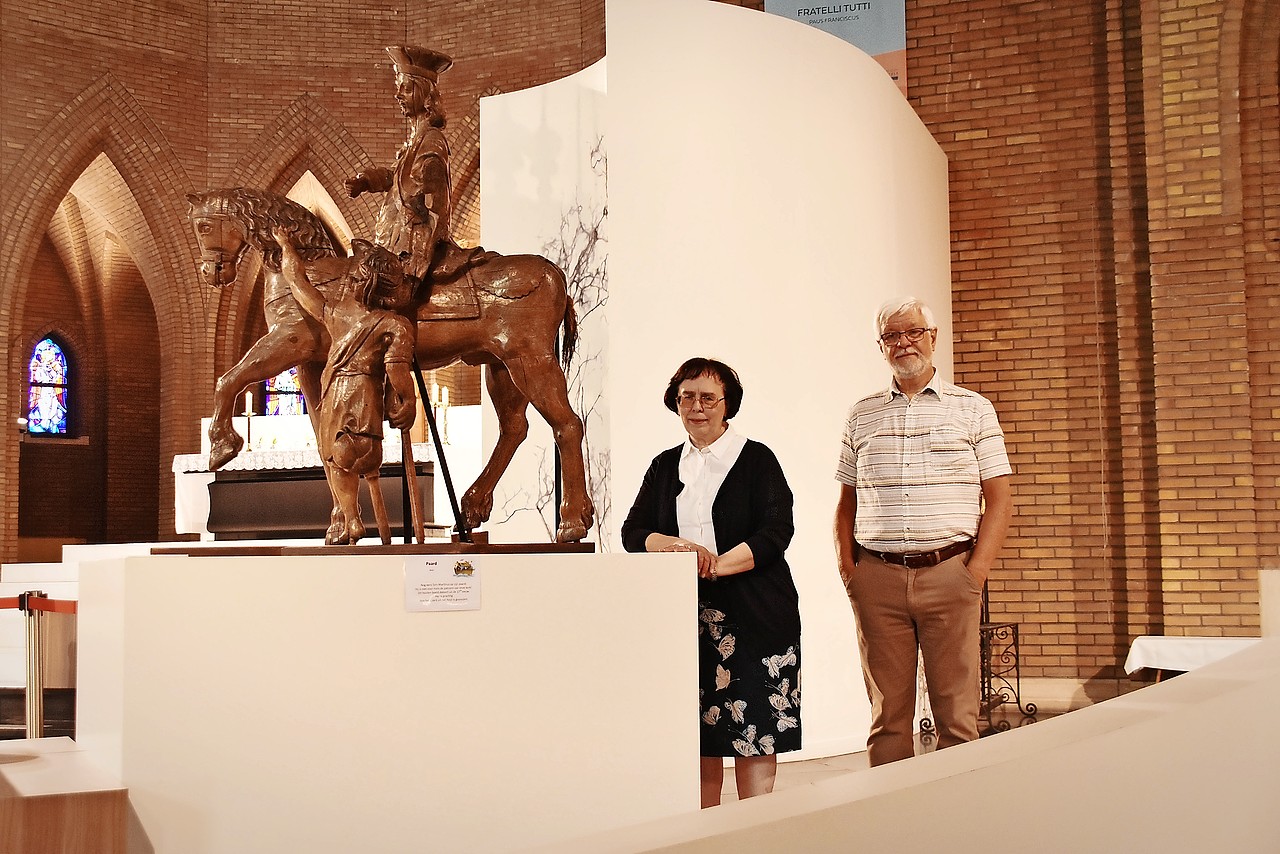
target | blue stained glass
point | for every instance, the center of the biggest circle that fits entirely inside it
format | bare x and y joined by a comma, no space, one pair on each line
284,394
47,401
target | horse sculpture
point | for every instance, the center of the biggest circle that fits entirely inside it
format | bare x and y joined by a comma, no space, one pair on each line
520,303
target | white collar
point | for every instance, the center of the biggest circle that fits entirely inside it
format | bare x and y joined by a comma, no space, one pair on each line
725,444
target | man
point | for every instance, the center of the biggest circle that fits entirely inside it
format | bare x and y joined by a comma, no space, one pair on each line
924,508
367,376
415,218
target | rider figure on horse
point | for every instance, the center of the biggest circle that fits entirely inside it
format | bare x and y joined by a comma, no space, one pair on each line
414,221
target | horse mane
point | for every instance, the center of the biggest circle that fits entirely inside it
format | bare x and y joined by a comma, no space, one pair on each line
259,211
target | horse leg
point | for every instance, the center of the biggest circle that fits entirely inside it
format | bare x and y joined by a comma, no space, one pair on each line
542,380
269,355
224,441
309,382
510,405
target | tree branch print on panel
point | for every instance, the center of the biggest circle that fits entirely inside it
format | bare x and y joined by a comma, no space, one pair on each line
581,251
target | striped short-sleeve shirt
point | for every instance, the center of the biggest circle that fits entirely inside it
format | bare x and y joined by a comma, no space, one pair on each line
918,465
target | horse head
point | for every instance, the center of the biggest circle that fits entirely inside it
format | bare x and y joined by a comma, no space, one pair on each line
228,222
220,235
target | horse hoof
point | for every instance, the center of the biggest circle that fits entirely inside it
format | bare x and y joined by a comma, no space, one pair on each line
355,531
224,451
337,530
476,508
571,533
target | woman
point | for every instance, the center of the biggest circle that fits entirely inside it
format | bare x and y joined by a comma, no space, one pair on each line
724,497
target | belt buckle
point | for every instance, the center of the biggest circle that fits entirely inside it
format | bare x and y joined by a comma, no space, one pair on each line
917,561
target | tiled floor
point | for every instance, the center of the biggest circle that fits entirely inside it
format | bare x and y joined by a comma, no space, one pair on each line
794,774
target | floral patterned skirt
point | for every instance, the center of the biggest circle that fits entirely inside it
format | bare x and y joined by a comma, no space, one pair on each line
749,685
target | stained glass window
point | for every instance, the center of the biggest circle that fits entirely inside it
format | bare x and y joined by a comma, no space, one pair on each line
47,400
284,395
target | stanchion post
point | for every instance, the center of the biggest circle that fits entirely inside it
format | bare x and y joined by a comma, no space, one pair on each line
35,663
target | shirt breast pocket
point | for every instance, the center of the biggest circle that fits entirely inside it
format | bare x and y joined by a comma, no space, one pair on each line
950,450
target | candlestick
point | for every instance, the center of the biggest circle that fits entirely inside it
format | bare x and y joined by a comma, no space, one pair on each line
248,421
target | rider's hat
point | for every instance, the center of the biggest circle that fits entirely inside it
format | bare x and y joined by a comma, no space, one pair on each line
419,62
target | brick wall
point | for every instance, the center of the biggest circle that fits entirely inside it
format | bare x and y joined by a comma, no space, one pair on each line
1106,300
131,436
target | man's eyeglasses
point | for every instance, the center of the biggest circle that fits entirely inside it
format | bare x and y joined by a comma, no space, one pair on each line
687,399
912,335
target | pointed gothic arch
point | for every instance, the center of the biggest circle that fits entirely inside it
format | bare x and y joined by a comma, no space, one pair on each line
104,119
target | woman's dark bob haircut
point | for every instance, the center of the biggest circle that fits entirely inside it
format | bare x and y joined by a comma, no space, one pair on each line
697,367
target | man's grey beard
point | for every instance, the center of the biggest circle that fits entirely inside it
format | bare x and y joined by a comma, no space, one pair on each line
902,372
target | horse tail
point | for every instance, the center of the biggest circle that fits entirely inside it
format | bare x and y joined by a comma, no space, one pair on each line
570,342
569,320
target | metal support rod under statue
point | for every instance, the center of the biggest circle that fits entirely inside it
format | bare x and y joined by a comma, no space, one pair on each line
464,533
248,421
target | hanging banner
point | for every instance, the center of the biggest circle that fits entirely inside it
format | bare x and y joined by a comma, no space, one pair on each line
877,27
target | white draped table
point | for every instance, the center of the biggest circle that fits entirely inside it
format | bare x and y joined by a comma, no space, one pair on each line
1180,654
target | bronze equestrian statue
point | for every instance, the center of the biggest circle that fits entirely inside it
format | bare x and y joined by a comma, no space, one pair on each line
520,304
480,307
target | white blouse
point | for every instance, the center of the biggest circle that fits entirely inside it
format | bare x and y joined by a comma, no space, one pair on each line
702,471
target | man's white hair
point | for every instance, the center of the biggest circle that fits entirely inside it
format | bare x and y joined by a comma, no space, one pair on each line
901,304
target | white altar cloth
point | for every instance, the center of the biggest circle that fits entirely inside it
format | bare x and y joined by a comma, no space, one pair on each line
289,458
1181,654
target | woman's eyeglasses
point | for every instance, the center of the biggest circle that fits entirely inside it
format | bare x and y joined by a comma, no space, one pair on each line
686,399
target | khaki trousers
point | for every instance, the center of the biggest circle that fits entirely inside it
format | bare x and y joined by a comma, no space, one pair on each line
898,610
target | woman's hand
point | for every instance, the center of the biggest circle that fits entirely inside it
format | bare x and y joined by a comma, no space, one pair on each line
706,559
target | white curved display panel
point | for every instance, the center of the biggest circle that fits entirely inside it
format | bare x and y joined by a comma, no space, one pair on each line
769,187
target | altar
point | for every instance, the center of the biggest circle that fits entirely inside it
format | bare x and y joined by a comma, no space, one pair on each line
276,487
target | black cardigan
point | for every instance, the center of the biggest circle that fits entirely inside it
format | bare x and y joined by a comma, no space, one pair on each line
754,505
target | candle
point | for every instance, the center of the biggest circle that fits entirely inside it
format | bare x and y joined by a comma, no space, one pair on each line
248,402
444,396
435,394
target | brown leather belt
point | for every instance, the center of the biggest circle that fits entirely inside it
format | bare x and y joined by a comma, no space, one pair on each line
920,560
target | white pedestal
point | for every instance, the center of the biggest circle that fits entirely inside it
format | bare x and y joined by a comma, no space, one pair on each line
293,704
1269,600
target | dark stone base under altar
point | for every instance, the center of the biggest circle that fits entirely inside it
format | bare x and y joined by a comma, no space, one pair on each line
296,503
